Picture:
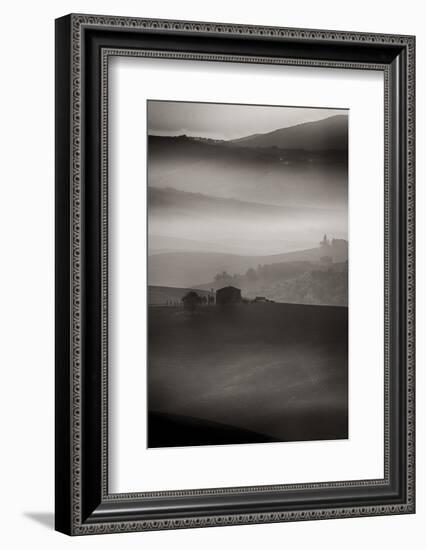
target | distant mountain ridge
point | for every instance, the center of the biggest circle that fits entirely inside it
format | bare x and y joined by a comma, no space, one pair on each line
328,134
323,135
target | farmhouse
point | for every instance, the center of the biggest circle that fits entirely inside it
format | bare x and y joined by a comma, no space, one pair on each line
191,300
228,295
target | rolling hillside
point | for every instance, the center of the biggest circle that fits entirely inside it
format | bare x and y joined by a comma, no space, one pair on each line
165,199
189,269
245,374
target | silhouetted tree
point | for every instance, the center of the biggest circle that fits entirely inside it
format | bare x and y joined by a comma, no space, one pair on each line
191,300
223,278
251,275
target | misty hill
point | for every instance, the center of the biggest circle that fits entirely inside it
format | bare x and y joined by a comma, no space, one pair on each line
337,250
235,244
281,146
162,244
185,202
183,221
323,135
254,174
319,283
185,269
189,269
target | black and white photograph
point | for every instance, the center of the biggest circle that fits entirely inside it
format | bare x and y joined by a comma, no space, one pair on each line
247,273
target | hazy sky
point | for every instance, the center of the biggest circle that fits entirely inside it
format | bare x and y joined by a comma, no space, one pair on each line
226,121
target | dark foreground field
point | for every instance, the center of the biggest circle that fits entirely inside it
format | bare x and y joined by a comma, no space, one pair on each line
249,373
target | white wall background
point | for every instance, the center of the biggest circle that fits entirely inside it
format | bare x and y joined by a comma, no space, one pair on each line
26,289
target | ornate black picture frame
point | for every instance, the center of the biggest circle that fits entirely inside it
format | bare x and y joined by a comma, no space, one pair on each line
84,44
